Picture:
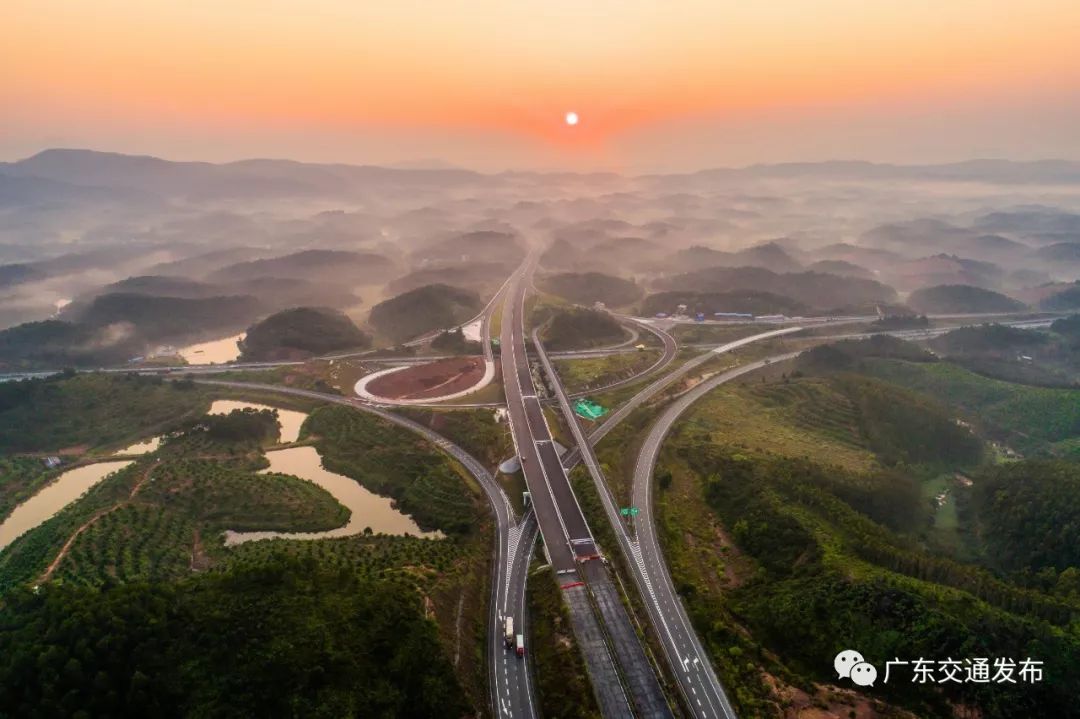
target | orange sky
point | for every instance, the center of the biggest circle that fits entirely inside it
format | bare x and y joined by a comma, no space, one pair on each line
491,80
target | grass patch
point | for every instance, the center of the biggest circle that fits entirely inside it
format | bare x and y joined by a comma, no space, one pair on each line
803,418
940,493
474,430
581,375
715,334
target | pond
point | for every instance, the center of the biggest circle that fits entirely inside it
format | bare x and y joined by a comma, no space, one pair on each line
144,447
289,420
219,351
367,508
68,487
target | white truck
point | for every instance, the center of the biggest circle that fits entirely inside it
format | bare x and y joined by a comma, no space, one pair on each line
521,645
508,632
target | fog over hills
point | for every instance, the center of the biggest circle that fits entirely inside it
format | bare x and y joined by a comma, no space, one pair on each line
73,223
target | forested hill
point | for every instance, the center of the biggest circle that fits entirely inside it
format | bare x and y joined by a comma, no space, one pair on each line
588,287
431,307
162,319
580,328
943,299
301,332
278,638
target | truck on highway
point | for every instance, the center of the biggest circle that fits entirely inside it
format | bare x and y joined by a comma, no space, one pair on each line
521,645
508,632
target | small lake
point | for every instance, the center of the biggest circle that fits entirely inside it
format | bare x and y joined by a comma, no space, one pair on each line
144,447
367,508
213,352
64,490
289,420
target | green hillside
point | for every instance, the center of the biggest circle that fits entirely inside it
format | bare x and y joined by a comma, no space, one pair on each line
577,328
301,332
945,299
171,319
792,513
588,287
114,327
747,301
427,308
279,637
817,290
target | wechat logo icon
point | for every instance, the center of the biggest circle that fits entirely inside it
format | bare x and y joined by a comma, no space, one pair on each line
849,664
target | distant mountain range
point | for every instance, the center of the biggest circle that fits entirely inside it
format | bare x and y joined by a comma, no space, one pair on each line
81,174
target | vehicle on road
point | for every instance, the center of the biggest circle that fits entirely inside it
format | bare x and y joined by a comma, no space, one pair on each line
521,645
508,634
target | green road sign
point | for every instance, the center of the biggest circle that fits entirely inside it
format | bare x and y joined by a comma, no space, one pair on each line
589,410
629,511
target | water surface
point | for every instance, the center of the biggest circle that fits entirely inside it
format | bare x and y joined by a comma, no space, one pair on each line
213,352
144,447
64,490
289,420
367,508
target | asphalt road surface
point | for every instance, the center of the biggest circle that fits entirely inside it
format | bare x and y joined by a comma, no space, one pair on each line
701,687
639,674
562,523
567,537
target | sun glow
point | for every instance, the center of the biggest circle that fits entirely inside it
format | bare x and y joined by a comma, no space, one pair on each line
571,118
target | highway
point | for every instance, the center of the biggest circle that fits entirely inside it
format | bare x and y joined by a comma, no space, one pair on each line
562,523
701,689
510,679
622,679
684,649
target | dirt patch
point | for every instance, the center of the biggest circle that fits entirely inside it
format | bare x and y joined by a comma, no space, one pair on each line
830,702
435,379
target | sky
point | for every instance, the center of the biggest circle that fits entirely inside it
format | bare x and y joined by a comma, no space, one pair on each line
658,85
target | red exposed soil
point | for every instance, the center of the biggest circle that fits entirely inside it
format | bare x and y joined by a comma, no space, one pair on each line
436,379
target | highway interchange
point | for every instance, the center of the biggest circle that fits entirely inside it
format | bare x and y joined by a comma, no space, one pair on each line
624,682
